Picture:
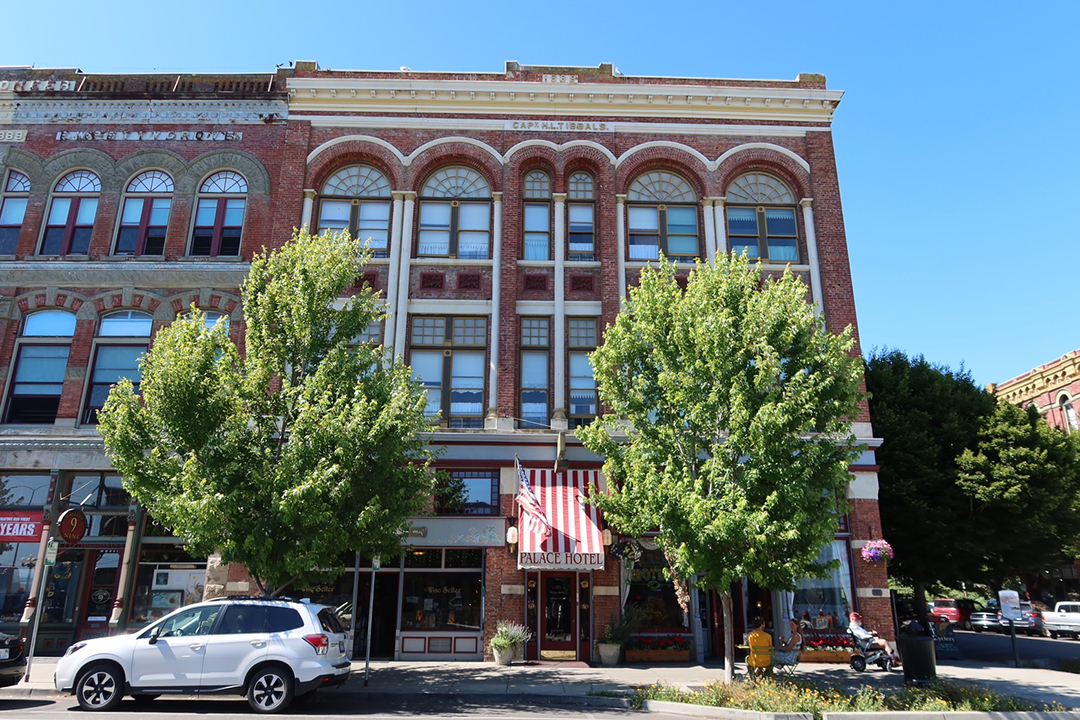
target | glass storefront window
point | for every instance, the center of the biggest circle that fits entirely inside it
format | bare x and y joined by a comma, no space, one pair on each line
427,558
98,491
654,593
62,588
441,601
17,561
24,490
823,604
167,578
464,558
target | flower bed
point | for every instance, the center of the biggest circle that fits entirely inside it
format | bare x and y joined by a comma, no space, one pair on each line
658,648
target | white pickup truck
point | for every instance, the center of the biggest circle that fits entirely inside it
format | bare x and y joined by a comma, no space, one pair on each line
1064,620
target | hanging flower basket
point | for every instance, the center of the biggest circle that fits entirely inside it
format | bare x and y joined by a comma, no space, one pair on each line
877,551
627,550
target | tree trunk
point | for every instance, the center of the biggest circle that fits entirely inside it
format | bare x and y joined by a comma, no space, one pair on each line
729,636
919,590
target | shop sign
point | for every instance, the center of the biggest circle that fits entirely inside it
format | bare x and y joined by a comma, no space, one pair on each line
151,135
586,126
20,526
560,561
52,549
456,532
37,85
72,525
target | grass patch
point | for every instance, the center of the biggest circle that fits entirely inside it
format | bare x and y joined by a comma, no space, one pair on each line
800,696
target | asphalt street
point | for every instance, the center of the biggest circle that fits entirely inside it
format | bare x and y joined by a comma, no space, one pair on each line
229,708
992,647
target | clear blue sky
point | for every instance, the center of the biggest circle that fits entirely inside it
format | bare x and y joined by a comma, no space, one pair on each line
956,139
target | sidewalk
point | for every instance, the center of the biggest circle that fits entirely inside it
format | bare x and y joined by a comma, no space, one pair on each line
562,682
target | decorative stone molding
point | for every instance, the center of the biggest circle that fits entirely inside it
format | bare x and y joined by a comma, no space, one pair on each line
144,112
97,274
246,164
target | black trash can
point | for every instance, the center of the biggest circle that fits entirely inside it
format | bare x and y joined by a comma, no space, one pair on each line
919,661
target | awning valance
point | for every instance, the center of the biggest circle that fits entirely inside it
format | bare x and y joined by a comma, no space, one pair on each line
575,542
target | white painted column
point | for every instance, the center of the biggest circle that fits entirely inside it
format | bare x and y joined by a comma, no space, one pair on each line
309,208
491,419
558,413
620,253
710,230
402,305
812,254
393,272
721,226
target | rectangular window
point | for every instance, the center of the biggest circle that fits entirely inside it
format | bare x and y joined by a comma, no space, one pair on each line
743,231
644,226
454,229
39,381
334,215
111,363
219,223
581,237
441,600
824,603
681,231
537,232
373,226
434,229
98,491
534,372
453,374
474,220
769,233
12,211
468,492
143,224
782,234
582,341
69,226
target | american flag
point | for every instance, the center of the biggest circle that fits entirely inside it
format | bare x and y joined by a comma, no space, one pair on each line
532,513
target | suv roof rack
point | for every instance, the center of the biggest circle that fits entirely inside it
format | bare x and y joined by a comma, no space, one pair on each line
251,597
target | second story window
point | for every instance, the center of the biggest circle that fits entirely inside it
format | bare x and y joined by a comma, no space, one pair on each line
145,217
537,223
40,367
662,217
535,354
357,199
447,355
12,210
455,215
761,218
123,338
581,217
469,492
581,342
219,215
71,214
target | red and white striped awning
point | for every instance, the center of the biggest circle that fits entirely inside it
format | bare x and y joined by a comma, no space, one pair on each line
576,542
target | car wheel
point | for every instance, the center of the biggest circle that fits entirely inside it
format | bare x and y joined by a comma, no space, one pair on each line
270,689
977,629
1053,635
858,663
100,687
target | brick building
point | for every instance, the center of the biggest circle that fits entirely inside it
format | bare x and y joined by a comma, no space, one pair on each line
507,211
1054,390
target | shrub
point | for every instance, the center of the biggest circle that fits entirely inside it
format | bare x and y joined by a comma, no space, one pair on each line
510,634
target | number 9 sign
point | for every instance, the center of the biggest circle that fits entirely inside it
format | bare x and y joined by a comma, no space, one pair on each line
72,525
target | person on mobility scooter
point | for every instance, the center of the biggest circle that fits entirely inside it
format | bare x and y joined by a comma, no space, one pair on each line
869,648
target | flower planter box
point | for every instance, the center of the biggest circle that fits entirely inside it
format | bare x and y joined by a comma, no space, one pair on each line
633,656
825,656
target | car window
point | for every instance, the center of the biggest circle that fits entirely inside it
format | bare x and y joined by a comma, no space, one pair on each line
197,621
245,618
284,618
329,621
945,603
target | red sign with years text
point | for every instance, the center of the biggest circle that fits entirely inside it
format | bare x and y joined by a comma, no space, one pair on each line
20,525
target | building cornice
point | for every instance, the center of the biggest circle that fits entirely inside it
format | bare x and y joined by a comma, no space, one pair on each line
544,99
120,273
73,111
1043,379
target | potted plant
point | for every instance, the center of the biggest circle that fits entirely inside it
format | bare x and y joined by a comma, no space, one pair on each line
509,640
617,634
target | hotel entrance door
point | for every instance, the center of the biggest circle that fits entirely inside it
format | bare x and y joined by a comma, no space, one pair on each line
558,626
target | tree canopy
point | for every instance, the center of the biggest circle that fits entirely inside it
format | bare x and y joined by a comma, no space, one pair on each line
729,424
284,457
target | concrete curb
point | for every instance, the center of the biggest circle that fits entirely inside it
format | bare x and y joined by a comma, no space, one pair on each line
709,711
1068,715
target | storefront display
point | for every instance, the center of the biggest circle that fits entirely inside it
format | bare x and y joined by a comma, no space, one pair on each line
167,577
651,590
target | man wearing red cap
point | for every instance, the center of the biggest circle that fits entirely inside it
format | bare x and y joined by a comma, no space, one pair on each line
870,638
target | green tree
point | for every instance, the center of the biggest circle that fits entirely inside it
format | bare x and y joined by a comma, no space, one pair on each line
927,415
1022,482
305,446
729,430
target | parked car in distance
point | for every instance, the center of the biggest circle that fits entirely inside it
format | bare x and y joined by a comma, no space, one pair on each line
947,609
987,618
1031,620
1064,619
269,649
12,659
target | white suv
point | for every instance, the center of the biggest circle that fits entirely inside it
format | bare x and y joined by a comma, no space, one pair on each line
271,650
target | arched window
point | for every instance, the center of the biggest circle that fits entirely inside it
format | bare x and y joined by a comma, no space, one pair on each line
761,218
662,217
1069,412
357,199
537,224
40,365
71,214
12,209
219,215
581,217
455,215
122,340
145,216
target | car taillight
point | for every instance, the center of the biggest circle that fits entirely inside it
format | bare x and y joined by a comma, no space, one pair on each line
321,643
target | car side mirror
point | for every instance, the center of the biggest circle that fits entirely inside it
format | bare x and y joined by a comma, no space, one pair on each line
154,634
